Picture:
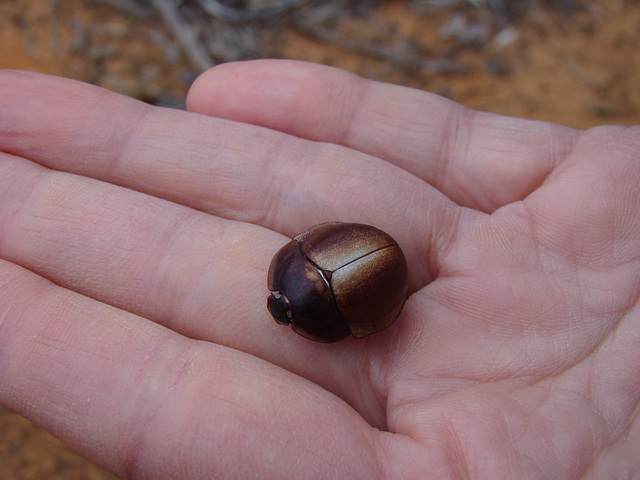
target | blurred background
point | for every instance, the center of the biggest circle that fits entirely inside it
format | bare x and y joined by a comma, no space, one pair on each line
574,62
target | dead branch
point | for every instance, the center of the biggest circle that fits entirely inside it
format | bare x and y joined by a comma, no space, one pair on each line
192,47
229,14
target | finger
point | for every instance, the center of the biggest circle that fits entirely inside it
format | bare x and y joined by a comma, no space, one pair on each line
236,171
145,402
71,126
477,159
202,276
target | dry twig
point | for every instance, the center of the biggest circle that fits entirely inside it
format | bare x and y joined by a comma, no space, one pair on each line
130,6
229,14
183,32
383,52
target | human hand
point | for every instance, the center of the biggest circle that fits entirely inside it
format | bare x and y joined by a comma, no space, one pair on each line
135,243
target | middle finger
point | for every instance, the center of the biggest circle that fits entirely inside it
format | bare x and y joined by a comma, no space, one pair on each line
234,170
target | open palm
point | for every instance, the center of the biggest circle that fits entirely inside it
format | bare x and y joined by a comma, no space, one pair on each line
134,245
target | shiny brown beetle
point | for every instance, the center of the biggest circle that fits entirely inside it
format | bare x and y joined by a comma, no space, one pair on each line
337,279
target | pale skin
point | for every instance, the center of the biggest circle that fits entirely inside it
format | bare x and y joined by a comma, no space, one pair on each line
134,246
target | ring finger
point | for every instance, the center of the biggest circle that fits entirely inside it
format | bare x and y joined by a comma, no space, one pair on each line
200,275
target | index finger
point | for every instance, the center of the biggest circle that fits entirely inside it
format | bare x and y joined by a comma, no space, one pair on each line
477,159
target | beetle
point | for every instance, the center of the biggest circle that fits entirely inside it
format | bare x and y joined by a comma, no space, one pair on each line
337,279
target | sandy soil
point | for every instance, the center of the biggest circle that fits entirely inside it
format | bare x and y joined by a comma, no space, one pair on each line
581,71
